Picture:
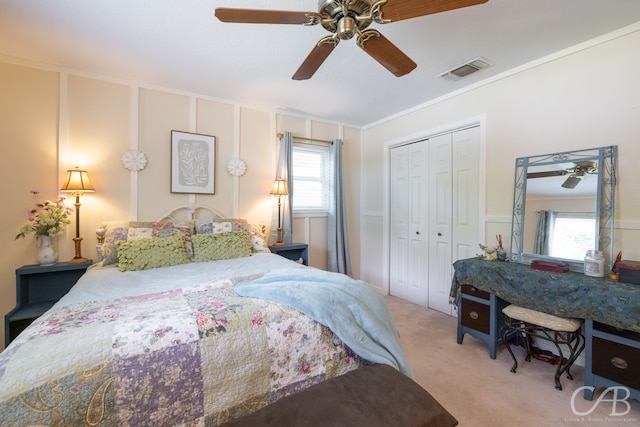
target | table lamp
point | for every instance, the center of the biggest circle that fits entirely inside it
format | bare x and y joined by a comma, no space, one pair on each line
77,183
279,189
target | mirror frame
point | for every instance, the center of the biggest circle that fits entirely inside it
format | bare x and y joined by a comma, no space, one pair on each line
605,203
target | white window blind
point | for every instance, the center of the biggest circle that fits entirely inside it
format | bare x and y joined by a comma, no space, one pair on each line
310,177
573,235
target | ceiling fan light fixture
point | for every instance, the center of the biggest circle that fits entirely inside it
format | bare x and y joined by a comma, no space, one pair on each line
347,28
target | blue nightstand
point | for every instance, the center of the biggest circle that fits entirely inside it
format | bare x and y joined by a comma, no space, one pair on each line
37,290
298,252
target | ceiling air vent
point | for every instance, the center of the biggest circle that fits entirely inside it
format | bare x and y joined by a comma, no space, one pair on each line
470,67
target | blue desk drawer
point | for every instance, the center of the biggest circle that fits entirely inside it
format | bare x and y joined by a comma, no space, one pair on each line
472,290
616,331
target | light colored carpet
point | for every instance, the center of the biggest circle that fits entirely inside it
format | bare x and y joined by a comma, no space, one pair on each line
481,392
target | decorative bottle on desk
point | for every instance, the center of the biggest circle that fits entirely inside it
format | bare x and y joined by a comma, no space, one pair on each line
594,264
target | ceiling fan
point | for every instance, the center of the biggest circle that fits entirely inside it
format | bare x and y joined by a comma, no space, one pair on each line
346,18
576,173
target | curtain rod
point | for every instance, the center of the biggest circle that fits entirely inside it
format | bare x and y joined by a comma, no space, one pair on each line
569,212
280,135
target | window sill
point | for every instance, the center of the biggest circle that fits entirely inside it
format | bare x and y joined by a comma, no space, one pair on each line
310,214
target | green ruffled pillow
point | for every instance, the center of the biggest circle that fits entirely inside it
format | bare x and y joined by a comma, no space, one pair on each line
142,254
134,230
222,225
231,244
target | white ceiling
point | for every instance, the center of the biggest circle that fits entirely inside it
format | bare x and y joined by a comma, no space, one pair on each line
181,45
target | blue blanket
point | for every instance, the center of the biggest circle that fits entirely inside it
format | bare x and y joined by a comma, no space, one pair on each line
352,309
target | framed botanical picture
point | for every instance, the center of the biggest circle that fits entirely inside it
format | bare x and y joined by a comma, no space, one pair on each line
192,163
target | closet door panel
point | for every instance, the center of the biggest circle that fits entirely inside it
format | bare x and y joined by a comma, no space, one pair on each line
399,222
440,223
418,280
465,166
407,267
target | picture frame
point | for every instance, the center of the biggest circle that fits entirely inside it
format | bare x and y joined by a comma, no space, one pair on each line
192,163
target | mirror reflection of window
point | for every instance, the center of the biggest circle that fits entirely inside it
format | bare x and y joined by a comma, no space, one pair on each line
573,235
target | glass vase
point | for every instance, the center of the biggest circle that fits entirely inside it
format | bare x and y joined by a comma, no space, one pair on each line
47,253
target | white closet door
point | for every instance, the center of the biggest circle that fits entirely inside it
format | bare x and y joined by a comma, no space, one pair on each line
453,209
466,188
434,215
440,230
408,223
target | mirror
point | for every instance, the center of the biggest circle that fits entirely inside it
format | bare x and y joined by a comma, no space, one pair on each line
563,205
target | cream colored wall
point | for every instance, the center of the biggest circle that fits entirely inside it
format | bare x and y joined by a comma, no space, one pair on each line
52,120
28,136
588,99
93,136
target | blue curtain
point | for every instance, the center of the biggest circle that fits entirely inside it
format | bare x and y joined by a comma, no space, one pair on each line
338,239
544,232
284,170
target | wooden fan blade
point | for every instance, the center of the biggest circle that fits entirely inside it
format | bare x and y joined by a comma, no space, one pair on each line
314,60
258,16
397,10
386,53
546,174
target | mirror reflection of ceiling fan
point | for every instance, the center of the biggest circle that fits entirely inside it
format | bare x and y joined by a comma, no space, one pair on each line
345,19
576,173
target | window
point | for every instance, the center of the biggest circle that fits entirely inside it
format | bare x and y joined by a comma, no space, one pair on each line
573,235
310,177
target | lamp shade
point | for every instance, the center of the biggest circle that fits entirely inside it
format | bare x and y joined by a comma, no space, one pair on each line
77,181
279,187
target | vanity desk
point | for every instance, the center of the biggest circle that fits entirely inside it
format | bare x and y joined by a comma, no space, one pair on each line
611,311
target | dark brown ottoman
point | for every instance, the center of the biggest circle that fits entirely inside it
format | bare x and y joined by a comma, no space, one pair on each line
373,396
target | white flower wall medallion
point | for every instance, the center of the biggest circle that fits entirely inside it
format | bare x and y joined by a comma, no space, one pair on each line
236,167
134,160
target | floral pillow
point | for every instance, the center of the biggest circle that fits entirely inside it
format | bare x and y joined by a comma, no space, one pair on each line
145,253
222,225
135,230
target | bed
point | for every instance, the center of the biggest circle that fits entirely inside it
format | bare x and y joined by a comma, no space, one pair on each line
190,322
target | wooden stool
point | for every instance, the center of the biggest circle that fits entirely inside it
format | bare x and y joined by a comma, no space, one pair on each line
535,324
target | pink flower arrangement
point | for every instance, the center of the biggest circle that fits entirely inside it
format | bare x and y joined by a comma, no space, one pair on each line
46,218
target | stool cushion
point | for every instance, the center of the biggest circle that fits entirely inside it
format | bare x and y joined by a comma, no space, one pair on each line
373,396
555,323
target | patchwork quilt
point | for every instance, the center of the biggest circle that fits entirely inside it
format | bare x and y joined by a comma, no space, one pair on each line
197,355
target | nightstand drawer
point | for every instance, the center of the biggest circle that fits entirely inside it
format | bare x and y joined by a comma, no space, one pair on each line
475,315
616,361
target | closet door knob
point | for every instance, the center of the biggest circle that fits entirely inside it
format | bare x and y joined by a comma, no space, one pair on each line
439,234
417,232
